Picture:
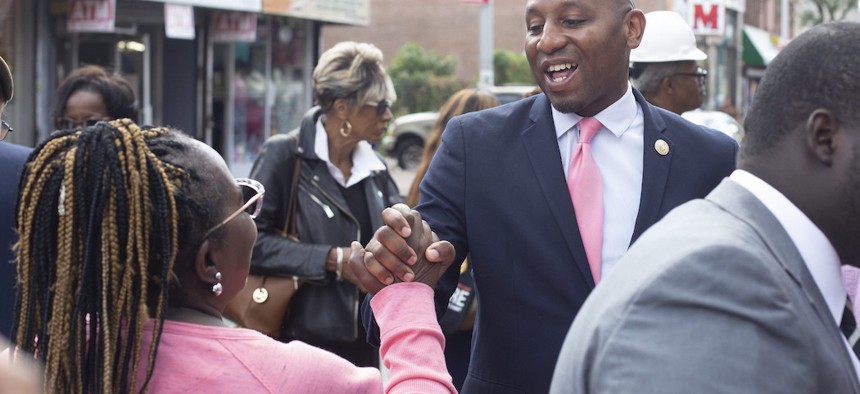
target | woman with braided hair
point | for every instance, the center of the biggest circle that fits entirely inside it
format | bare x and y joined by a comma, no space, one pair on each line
133,240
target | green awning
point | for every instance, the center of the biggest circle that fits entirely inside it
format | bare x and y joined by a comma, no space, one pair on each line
760,47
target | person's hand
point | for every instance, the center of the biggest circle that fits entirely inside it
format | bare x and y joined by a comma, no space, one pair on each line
391,257
348,274
431,264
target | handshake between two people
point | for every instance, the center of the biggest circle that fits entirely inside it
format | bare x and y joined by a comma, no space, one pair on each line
405,249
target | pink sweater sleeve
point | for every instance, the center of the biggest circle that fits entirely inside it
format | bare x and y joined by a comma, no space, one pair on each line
412,341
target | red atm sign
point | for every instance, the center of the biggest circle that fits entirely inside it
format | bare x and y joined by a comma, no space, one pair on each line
708,18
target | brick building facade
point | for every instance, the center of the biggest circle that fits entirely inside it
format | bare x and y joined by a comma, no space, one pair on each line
449,27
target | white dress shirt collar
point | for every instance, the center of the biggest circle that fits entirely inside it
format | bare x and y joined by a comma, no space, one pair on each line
617,117
364,159
620,160
814,247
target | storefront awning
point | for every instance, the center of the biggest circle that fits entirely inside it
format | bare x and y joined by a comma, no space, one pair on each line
351,12
234,5
760,47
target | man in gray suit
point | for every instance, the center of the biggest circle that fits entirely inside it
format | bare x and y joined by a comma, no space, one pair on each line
741,292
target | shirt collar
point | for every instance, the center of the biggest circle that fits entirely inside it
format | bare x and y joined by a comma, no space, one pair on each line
817,252
364,159
617,117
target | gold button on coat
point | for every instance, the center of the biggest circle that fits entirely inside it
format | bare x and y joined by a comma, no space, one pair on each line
662,147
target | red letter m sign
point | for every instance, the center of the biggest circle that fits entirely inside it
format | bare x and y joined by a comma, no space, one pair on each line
708,17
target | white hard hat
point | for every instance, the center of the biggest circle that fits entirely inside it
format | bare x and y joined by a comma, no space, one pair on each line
667,38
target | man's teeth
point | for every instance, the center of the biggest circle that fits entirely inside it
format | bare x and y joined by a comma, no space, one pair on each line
559,67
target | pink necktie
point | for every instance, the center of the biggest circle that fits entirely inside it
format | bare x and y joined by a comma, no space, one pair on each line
586,192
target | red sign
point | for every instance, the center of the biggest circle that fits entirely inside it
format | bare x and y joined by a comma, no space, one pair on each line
92,15
234,27
708,18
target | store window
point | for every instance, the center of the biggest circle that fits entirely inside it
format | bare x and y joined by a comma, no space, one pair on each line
288,74
259,89
125,53
249,102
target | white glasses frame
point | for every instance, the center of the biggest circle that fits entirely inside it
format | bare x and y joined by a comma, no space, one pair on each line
256,198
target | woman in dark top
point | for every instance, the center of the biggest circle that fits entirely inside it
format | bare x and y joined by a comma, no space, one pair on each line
343,187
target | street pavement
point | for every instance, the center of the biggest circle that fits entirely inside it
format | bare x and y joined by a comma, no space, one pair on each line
403,178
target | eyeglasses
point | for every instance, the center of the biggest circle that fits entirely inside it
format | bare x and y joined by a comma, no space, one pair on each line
381,107
5,129
68,124
252,194
700,73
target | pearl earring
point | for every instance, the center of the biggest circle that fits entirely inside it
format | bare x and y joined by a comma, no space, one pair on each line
217,288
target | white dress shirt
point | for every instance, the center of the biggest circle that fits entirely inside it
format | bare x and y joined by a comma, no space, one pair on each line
618,150
364,159
816,250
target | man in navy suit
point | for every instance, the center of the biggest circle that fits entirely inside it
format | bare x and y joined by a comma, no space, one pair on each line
497,190
12,158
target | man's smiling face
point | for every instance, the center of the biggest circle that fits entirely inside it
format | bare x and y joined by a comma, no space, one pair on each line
579,50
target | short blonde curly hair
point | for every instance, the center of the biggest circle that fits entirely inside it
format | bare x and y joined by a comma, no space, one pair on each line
352,71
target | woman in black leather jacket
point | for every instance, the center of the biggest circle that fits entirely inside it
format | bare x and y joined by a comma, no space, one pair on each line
342,189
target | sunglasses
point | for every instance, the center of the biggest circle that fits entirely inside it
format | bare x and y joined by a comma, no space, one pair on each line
381,107
68,124
252,194
5,129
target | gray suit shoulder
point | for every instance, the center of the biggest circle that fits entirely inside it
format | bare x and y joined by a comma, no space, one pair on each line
699,304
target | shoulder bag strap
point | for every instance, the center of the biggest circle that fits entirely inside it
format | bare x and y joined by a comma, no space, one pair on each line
290,223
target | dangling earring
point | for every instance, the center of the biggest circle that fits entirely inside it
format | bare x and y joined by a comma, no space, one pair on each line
346,126
217,288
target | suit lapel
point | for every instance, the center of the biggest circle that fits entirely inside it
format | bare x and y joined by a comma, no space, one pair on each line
746,207
541,146
655,168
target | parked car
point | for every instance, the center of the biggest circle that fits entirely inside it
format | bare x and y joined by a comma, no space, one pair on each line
406,134
716,120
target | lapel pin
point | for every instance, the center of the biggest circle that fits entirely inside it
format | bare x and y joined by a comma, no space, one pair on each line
662,147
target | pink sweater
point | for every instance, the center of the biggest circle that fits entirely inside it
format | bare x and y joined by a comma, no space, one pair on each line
203,359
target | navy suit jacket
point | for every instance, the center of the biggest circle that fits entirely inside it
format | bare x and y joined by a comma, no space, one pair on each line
496,190
12,158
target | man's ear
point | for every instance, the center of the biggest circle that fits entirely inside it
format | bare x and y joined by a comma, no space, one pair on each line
820,130
634,23
205,262
666,85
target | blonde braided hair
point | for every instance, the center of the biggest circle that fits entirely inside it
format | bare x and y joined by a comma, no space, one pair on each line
98,227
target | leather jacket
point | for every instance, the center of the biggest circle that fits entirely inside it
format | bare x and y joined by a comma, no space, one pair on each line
323,308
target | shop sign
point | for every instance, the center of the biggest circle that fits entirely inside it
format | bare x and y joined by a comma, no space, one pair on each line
92,15
682,6
707,18
179,21
352,12
234,5
230,26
